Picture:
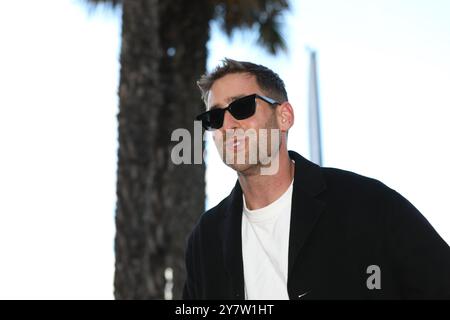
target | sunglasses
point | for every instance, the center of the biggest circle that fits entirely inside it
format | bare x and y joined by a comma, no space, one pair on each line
240,109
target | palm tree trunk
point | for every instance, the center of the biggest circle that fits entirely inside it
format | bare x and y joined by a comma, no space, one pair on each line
183,34
157,201
138,246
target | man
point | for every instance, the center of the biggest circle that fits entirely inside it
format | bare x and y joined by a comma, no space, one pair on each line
301,231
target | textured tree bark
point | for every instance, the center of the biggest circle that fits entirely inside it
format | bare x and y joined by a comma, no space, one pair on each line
183,35
139,244
157,201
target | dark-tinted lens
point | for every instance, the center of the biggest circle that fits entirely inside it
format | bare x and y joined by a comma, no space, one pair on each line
243,108
216,118
212,119
240,109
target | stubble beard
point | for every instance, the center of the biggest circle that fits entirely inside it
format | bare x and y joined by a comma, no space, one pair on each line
252,149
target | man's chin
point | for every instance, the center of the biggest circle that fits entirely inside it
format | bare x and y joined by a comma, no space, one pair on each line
243,168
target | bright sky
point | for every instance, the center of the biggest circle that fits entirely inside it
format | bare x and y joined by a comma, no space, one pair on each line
384,84
58,145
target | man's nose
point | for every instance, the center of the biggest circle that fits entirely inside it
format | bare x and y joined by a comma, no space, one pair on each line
229,122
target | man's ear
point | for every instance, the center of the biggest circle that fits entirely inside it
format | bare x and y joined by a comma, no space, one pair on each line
285,116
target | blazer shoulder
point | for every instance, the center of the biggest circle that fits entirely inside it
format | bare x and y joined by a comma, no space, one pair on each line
345,181
396,212
364,195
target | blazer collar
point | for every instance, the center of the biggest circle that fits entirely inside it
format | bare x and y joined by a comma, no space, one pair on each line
305,212
232,242
306,208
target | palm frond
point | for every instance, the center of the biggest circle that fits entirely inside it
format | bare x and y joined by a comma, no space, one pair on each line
264,14
270,35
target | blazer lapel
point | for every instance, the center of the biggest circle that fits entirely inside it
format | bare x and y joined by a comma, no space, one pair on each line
232,242
306,209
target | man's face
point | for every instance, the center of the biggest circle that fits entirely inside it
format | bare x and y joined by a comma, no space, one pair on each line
240,142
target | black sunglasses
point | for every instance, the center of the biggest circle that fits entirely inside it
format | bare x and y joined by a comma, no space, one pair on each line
240,109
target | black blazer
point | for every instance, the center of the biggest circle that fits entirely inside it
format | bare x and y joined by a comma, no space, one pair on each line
341,223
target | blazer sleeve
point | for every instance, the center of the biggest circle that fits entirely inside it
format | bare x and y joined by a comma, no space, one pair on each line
421,258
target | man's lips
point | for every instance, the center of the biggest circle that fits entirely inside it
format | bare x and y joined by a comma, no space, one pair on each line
235,143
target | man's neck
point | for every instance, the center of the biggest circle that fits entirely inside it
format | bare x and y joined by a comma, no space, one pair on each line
262,190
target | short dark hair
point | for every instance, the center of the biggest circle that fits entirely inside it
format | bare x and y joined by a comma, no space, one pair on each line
269,81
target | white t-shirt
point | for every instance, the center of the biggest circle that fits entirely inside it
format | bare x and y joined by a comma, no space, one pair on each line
265,248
